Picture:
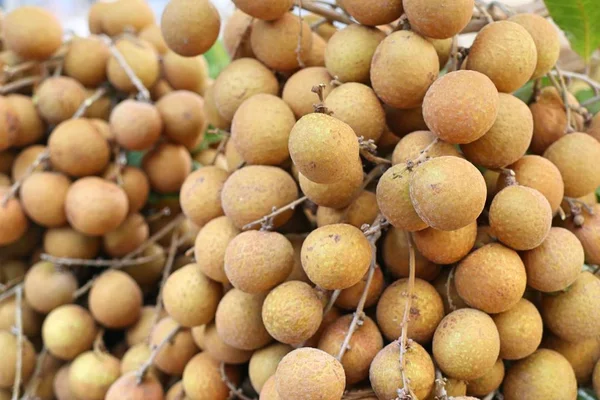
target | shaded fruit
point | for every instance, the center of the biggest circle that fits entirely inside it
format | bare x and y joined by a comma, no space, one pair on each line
32,33
140,331
128,388
582,355
185,73
115,299
350,297
263,364
446,247
297,90
183,116
152,34
8,344
363,210
30,124
374,14
173,356
214,236
489,382
13,219
439,19
396,257
135,184
67,242
91,374
141,57
588,234
47,287
43,197
236,35
200,195
545,37
167,167
86,60
137,125
127,237
202,379
338,194
410,147
520,329
9,125
31,320
208,339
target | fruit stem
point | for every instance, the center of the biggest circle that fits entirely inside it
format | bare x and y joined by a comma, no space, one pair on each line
87,103
155,349
482,8
268,219
510,178
42,157
97,263
320,106
34,381
334,296
164,231
234,391
19,84
440,386
160,214
18,331
561,87
368,150
222,143
330,14
299,46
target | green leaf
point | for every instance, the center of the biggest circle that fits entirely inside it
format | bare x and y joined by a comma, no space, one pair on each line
598,194
526,91
586,94
134,158
580,20
210,137
217,58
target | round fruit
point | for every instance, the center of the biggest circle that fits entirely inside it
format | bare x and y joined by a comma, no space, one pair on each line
9,125
32,33
297,92
520,329
588,234
202,379
47,287
12,219
25,158
200,195
446,247
134,358
267,10
263,364
137,125
127,237
338,194
236,34
115,299
31,320
8,344
217,348
120,16
349,298
489,382
67,242
185,73
214,236
183,116
68,331
582,355
167,167
363,210
545,37
374,14
211,112
128,387
396,257
174,355
410,147
439,19
91,374
153,35
141,57
30,124
86,60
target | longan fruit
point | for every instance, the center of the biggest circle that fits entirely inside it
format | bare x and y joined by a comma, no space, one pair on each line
202,379
127,387
325,30
5,180
545,374
8,362
58,97
447,192
297,273
490,55
594,128
141,57
31,320
25,158
252,192
520,329
86,60
214,236
47,288
120,16
185,73
13,220
572,315
241,80
95,206
12,270
588,234
396,257
297,90
520,217
349,52
267,10
67,242
439,19
200,195
174,355
443,47
100,110
380,13
167,166
68,331
140,331
43,197
32,33
236,35
401,122
489,382
263,364
207,156
135,185
582,355
257,261
183,117
31,128
265,140
126,237
311,142
446,247
176,392
115,299
60,384
218,349
411,56
427,310
316,58
411,145
292,312
134,358
363,210
574,155
91,374
466,344
160,88
212,113
152,34
338,194
386,378
545,37
328,318
7,159
137,125
239,322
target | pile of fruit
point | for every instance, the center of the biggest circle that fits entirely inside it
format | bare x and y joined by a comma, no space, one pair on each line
354,207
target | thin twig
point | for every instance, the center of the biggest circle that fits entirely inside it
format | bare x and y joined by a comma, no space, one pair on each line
20,84
18,330
83,289
483,10
334,296
87,103
42,157
141,372
234,391
451,305
368,149
10,292
267,219
328,13
320,106
299,46
590,81
156,237
160,214
35,380
440,386
97,263
220,149
564,92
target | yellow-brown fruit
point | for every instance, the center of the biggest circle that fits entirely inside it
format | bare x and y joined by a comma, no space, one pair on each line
241,80
582,355
60,385
264,9
32,33
25,158
545,37
239,322
190,27
135,357
167,167
574,155
141,57
380,13
396,257
9,346
263,364
411,145
127,237
95,206
152,34
13,220
30,124
140,331
207,156
236,35
321,146
186,73
176,392
556,263
214,236
91,374
316,58
212,113
31,320
574,314
120,16
590,199
202,379
43,197
67,242
426,312
174,355
47,288
349,52
363,210
489,382
336,256
86,60
594,128
127,387
9,125
506,53
443,47
5,180
447,192
411,55
296,376
183,116
159,89
466,344
596,379
58,98
588,234
115,299
68,331
460,107
455,388
292,312
520,217
148,273
338,194
252,192
543,375
200,195
218,349
297,90
99,111
257,261
520,330
446,247
386,378
439,19
324,30
137,125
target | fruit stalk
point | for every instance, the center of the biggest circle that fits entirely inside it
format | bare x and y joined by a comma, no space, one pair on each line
155,349
18,330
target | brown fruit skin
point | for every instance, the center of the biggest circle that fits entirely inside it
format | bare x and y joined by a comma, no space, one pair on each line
295,377
186,73
25,158
167,167
546,39
461,106
68,331
202,379
492,278
127,388
215,235
7,159
556,263
543,375
127,237
297,90
9,124
200,195
263,364
237,27
410,55
174,356
439,19
135,184
183,116
520,330
31,126
447,192
396,256
374,14
427,310
596,379
217,348
31,320
8,344
47,288
32,33
361,211
292,312
91,375
140,331
466,344
190,27
487,383
251,193
582,355
446,247
574,155
588,234
88,203
152,34
176,392
350,297
349,52
191,298
212,113
263,140
13,219
67,242
594,128
574,315
115,300
267,10
137,125
386,379
60,384
239,322
338,194
411,145
86,60
143,60
58,98
443,47
490,55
